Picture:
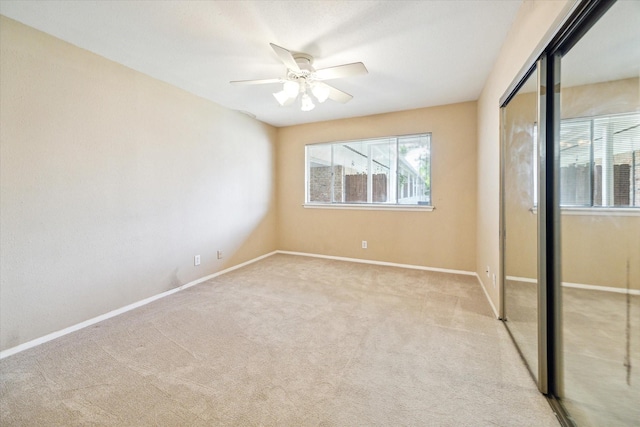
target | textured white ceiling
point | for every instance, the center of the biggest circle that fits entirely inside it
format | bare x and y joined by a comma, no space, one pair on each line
418,53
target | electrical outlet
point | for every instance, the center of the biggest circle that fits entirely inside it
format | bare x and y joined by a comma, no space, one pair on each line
196,260
364,244
494,280
219,254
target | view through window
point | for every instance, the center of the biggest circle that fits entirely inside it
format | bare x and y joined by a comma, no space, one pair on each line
390,171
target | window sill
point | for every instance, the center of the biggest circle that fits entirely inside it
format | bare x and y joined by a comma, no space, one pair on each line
369,207
595,211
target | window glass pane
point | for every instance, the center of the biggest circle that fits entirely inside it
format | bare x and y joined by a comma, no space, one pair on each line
600,161
414,170
575,163
352,160
319,173
383,170
616,146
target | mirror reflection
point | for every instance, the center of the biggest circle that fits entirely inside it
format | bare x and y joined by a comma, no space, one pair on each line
520,222
600,231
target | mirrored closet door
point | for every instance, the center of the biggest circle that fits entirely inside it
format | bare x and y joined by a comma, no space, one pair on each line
570,215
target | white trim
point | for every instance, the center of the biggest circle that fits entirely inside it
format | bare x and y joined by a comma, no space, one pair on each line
369,207
601,288
33,343
387,264
486,294
594,211
522,279
581,286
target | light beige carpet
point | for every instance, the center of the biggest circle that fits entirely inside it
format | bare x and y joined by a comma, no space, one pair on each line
286,341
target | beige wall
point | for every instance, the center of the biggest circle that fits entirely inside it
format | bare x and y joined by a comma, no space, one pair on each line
595,248
533,21
444,238
112,181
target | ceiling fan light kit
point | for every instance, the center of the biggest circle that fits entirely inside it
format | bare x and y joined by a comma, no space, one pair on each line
292,88
306,103
282,97
301,78
320,92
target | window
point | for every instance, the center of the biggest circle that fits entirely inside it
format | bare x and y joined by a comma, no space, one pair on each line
600,161
380,171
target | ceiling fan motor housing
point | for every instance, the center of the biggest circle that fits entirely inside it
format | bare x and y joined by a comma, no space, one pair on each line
305,63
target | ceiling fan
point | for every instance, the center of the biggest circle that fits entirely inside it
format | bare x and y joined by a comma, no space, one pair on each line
302,79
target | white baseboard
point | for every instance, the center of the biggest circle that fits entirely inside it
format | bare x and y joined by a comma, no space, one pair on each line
33,343
387,264
601,288
522,279
580,286
486,294
86,323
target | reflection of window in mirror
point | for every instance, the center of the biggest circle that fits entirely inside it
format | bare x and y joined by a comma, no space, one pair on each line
599,161
600,104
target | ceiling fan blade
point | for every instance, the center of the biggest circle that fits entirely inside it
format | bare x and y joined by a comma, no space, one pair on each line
346,70
256,82
286,57
336,94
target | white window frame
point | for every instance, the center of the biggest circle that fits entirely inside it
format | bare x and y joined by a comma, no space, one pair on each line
392,182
